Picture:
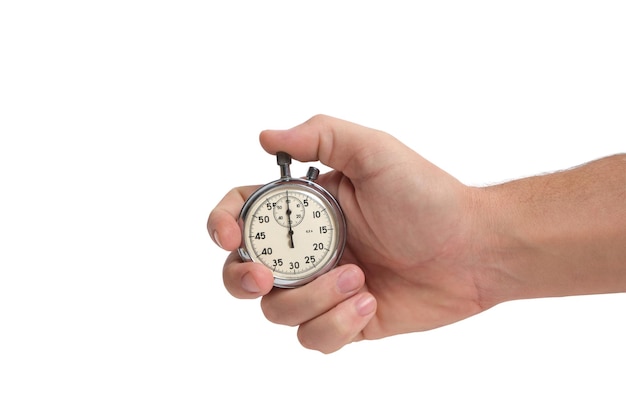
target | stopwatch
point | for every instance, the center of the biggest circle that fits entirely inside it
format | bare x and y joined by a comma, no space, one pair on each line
293,226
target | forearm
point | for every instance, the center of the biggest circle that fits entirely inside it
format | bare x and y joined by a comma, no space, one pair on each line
559,234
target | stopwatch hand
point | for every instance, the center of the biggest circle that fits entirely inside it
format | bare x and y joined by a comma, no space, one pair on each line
291,245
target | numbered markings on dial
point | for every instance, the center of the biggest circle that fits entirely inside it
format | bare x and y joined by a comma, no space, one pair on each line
291,232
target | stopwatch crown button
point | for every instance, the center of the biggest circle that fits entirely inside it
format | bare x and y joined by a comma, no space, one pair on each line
284,160
312,174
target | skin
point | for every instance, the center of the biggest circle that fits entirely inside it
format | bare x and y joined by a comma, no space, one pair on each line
424,250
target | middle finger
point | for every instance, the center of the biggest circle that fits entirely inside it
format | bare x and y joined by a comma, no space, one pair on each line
294,306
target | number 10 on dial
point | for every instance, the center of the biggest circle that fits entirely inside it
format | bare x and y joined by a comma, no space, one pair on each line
294,227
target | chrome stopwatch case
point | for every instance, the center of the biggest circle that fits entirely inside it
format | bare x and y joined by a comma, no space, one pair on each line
293,226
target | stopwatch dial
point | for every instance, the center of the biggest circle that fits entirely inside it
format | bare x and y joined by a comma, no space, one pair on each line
292,231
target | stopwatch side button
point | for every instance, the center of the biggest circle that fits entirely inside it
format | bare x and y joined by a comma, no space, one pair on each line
312,174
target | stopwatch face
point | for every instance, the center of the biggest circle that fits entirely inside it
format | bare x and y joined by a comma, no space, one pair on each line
295,228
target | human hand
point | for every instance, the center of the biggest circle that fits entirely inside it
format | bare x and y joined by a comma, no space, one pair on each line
411,261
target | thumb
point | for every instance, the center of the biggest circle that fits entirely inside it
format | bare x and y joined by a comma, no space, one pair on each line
355,150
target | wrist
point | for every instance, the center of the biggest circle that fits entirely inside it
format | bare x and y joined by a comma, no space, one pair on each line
508,247
494,241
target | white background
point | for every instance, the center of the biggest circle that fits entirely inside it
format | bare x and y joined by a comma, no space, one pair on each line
123,123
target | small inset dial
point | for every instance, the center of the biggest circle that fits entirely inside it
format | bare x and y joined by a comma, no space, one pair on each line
288,211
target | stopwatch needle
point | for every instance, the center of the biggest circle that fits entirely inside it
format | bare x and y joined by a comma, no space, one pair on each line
291,239
291,245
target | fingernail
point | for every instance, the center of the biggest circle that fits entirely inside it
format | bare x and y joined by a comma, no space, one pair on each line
348,281
216,238
365,305
249,284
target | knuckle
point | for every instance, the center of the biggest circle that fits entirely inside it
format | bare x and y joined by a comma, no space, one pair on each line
305,341
308,341
318,118
320,121
275,314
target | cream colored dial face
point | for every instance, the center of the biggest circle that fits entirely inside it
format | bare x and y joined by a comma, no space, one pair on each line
292,231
